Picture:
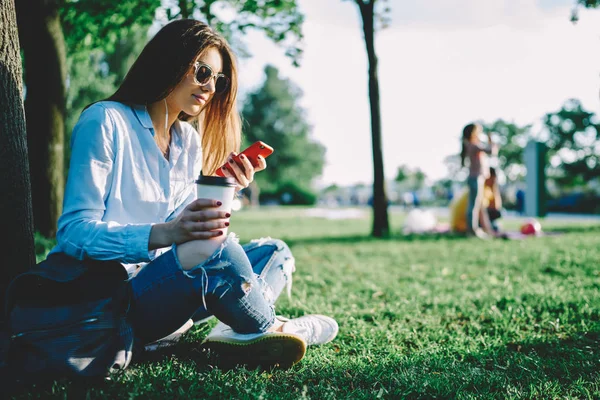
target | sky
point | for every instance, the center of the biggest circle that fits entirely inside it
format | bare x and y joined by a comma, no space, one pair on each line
442,64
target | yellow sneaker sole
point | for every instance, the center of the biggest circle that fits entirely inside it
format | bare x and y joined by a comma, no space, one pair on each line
273,350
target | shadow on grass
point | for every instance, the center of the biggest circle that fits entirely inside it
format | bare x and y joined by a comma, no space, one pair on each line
564,361
553,368
77,388
187,350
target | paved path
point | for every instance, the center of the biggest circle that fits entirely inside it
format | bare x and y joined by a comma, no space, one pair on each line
444,212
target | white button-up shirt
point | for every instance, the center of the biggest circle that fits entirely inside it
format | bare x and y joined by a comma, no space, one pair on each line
120,184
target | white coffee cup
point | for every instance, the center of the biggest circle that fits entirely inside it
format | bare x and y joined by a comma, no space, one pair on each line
217,188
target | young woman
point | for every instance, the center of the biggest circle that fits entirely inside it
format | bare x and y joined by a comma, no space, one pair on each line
479,171
130,197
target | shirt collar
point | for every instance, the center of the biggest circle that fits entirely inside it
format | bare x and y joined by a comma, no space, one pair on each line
141,112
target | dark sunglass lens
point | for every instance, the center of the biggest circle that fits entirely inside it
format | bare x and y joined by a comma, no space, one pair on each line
203,74
222,84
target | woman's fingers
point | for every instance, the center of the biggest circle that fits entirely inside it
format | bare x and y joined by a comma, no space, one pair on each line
239,174
262,164
247,167
208,225
202,204
206,215
242,171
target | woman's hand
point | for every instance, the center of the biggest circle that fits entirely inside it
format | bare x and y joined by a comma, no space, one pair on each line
199,220
244,171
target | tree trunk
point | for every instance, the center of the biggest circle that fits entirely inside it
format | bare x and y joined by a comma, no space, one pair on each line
18,251
380,212
254,194
45,75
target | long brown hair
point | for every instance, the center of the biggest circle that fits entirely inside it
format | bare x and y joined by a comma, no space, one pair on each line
468,131
164,62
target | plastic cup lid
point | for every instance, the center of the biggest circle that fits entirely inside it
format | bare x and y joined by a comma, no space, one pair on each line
215,181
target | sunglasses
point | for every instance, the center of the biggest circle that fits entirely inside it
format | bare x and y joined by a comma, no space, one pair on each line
204,74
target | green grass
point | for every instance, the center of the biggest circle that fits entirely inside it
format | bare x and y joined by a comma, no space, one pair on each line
420,317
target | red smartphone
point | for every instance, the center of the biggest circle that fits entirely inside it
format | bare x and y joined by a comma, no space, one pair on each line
252,152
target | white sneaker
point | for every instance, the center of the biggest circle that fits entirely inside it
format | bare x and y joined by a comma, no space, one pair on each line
171,339
204,320
227,348
314,328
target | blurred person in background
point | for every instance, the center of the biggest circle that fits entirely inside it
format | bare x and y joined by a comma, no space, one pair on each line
477,153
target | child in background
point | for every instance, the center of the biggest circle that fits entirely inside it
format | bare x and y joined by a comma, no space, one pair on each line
492,202
489,213
479,171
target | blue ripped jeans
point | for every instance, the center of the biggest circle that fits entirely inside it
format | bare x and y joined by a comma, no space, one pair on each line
237,284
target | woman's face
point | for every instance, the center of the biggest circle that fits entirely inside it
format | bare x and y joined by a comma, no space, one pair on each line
188,96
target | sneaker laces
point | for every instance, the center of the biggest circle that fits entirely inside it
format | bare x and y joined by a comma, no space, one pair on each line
304,327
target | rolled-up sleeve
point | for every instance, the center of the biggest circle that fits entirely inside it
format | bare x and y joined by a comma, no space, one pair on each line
82,233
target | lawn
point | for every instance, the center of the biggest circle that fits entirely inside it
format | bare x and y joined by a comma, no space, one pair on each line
420,317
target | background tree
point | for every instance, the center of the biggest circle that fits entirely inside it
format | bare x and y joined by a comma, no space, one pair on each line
403,174
573,138
585,4
381,226
419,178
512,140
402,181
15,202
45,73
271,113
411,179
280,20
102,42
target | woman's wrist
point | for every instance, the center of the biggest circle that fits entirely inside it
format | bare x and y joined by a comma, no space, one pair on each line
159,236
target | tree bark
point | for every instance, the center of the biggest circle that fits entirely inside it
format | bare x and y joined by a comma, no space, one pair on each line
45,103
380,212
16,215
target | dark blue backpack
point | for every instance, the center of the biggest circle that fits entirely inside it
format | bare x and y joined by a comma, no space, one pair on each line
68,318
